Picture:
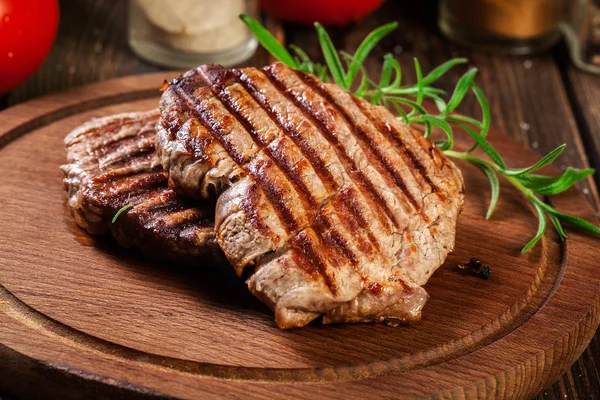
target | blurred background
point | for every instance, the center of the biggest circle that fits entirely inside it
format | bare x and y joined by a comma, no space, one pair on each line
97,40
538,62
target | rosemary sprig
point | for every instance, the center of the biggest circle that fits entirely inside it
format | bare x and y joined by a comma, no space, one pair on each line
408,102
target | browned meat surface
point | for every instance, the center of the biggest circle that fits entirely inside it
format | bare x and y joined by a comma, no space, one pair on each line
112,163
327,204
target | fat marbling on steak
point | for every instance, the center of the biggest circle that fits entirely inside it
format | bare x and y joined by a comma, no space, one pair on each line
326,203
112,163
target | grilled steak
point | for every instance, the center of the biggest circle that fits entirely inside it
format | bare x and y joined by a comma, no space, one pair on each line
112,163
327,204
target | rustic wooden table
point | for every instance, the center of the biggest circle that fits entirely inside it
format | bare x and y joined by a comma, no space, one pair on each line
541,101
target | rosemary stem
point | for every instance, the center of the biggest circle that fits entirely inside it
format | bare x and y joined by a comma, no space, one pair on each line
468,157
476,160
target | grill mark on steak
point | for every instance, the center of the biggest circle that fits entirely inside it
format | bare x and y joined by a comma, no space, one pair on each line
278,158
248,205
207,122
349,201
336,241
122,171
138,155
112,163
309,201
310,260
100,133
128,186
140,141
307,152
371,147
177,220
276,194
272,192
349,164
327,233
401,147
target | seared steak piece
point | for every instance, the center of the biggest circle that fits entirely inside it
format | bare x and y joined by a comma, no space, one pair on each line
112,163
327,204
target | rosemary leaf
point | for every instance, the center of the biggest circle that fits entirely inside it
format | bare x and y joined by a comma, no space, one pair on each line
301,54
408,102
485,111
364,80
322,72
441,70
420,84
269,42
461,89
565,181
395,65
559,228
331,57
365,48
440,123
386,75
494,183
428,129
550,185
540,231
536,182
121,211
547,159
456,118
306,64
364,84
401,112
386,70
573,220
485,146
439,103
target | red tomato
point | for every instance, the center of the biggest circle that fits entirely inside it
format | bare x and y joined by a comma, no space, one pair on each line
327,12
27,30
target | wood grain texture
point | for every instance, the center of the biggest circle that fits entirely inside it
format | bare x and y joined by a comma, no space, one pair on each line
91,46
583,89
91,319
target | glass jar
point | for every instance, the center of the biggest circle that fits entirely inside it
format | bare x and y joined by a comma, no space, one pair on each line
582,34
504,26
188,33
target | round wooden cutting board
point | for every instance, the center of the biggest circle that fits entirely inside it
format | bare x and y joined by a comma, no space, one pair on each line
81,317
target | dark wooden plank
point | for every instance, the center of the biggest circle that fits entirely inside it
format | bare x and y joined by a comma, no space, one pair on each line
584,92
